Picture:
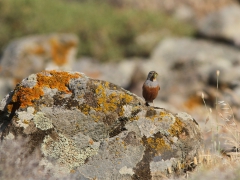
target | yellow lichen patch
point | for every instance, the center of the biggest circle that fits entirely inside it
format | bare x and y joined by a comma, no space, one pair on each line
176,128
158,144
134,118
105,103
151,114
60,51
163,113
95,118
57,79
25,121
107,84
111,102
85,109
134,113
126,98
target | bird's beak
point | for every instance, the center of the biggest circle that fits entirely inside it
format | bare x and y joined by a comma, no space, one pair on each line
155,75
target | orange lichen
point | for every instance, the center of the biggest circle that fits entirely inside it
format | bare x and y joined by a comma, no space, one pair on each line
94,75
158,144
91,141
10,107
60,51
56,79
72,171
38,50
52,79
16,81
193,102
26,95
176,128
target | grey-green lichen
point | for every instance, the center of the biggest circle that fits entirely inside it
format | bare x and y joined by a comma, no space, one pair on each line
10,136
161,166
42,122
30,81
66,152
126,170
24,117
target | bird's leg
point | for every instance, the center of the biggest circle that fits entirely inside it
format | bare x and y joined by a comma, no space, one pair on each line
147,104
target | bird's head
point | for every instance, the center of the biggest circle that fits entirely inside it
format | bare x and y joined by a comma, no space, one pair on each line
152,75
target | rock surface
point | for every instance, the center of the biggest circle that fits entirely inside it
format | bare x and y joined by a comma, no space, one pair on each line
224,24
193,65
32,54
97,129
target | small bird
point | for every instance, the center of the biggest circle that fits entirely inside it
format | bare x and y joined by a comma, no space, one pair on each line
150,87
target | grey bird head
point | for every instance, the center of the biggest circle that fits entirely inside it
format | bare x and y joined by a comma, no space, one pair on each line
152,75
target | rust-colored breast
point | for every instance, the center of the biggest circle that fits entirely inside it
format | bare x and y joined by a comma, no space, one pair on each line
150,93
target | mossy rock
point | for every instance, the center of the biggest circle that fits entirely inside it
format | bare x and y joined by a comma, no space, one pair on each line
97,129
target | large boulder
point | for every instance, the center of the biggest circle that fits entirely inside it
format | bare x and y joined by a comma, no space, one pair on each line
97,129
35,53
223,24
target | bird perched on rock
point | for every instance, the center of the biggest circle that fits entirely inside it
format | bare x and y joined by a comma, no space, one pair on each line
150,87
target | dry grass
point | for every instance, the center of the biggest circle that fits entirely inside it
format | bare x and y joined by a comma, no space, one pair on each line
219,161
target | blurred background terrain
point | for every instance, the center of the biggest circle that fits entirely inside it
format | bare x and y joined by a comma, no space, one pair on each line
120,41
